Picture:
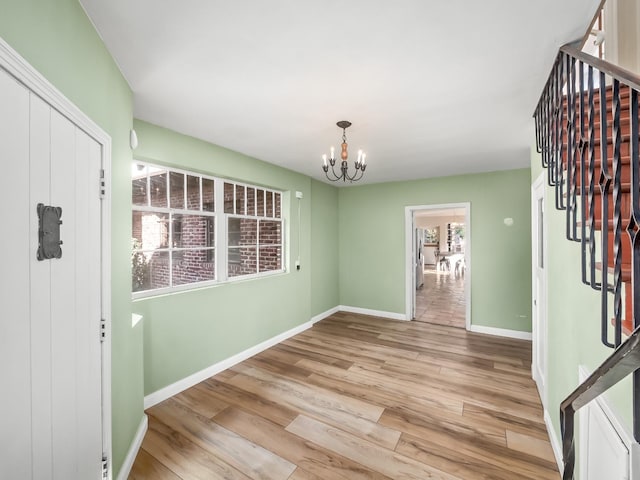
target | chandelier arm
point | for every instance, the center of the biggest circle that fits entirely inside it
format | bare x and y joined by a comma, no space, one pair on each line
331,179
358,178
349,177
355,176
333,172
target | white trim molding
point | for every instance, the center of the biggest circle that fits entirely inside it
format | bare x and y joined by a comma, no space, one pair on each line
127,465
554,440
501,332
19,68
195,378
325,314
373,313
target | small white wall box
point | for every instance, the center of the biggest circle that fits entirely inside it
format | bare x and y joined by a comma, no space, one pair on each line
133,139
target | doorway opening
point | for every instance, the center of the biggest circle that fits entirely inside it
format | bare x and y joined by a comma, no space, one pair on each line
438,264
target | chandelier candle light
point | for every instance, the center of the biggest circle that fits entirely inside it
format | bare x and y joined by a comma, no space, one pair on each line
361,162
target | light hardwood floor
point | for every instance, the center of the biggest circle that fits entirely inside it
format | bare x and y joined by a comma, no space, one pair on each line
359,397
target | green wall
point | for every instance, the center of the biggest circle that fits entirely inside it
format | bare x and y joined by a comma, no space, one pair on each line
324,247
573,317
352,239
59,41
189,331
372,243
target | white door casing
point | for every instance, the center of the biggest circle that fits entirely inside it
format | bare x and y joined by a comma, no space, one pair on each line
410,256
54,367
412,313
539,287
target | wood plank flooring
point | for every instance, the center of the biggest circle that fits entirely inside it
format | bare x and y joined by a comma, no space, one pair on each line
359,397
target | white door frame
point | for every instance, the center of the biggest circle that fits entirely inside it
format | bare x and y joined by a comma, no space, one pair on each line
410,270
22,71
538,325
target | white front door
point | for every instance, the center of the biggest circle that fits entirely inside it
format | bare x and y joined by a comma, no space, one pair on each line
50,352
539,284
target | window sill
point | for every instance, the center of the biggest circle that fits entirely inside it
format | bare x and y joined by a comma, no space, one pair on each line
162,292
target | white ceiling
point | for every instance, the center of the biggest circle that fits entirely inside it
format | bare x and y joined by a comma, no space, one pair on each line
432,88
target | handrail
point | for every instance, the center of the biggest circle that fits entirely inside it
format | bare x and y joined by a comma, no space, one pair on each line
593,22
622,362
625,76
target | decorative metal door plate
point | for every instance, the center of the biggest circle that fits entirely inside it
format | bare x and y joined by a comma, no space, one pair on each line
49,232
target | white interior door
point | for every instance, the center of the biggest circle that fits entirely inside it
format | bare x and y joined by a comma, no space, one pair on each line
50,353
539,285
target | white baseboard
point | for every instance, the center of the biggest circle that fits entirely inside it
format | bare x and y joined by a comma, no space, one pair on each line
323,315
375,313
501,332
188,382
125,470
555,442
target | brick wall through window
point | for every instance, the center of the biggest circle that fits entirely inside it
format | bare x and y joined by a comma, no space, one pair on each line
176,229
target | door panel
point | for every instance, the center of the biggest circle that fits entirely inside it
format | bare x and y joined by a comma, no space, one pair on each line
86,251
40,291
63,350
15,401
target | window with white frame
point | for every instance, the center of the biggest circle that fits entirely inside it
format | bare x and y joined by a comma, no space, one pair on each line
193,230
254,229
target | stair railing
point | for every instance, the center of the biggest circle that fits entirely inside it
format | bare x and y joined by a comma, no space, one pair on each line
583,140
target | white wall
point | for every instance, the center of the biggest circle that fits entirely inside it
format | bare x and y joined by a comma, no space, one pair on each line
622,30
